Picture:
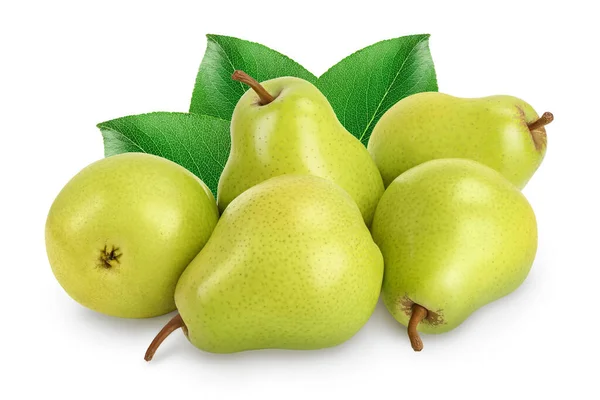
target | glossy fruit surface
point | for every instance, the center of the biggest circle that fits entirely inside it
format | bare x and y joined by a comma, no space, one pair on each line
296,133
455,235
121,232
497,131
290,265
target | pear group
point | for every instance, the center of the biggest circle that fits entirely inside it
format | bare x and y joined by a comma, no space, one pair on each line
310,227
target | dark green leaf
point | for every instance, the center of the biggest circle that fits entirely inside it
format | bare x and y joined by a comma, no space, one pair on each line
215,93
200,143
360,88
367,83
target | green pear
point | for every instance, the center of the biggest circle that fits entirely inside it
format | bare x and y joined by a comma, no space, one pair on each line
455,235
290,265
121,232
286,126
502,132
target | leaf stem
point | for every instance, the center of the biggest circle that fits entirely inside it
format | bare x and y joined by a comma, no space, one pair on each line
241,76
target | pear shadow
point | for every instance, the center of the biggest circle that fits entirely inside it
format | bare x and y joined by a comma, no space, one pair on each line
270,355
383,317
177,347
139,328
491,314
181,350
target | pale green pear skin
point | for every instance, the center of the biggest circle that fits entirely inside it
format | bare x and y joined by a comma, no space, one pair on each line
153,215
455,235
427,126
297,133
290,265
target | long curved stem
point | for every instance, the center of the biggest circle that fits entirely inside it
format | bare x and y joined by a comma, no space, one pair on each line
419,313
175,323
241,76
545,119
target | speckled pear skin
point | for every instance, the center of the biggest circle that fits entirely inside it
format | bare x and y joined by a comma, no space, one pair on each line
290,265
455,235
427,126
121,232
297,133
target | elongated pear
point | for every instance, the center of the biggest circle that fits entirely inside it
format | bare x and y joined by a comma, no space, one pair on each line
502,132
290,265
286,126
455,235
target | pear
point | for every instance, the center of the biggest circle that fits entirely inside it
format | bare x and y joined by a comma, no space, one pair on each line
502,132
121,232
290,265
455,235
286,126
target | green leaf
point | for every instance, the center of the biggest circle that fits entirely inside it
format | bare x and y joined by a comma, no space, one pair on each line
360,88
200,143
364,85
215,93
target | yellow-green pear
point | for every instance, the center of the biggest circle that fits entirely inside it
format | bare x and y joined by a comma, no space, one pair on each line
502,132
290,265
287,126
121,232
455,235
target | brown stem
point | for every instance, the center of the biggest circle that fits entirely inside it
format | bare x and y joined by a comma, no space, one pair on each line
175,323
545,119
418,314
241,76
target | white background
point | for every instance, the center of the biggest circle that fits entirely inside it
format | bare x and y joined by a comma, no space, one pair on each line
66,66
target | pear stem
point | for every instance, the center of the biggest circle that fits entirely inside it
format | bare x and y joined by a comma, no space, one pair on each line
241,76
175,323
545,119
418,314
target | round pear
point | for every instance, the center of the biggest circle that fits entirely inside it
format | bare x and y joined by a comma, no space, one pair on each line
121,232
